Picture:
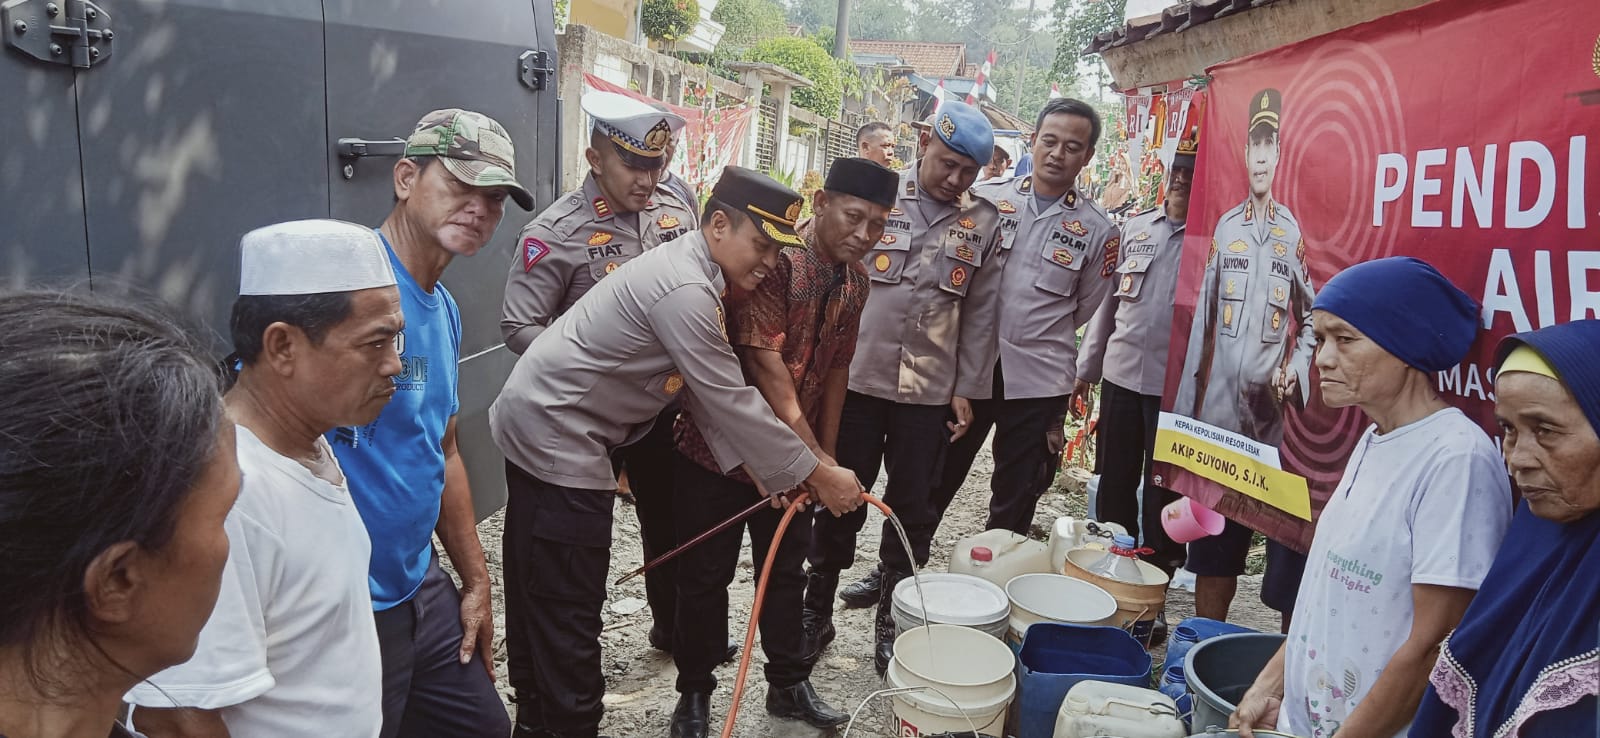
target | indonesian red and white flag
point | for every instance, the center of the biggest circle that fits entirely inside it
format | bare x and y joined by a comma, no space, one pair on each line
938,97
1055,91
981,84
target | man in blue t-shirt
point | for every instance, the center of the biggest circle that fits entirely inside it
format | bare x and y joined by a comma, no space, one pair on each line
404,470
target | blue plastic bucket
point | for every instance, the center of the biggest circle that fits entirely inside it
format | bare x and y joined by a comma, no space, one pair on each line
1055,656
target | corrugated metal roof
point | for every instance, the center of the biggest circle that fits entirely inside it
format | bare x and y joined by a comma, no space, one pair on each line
1173,19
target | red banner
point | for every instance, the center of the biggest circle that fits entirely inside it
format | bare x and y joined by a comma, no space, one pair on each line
710,140
1463,133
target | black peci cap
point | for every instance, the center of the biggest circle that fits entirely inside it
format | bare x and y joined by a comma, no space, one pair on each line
865,179
772,206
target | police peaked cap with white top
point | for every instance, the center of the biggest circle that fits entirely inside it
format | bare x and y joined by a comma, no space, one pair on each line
865,179
773,207
1406,307
639,131
965,130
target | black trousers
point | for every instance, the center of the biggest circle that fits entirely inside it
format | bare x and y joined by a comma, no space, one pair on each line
649,465
1024,462
910,441
1125,444
706,498
556,554
427,691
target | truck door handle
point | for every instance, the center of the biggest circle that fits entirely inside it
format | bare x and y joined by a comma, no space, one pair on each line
351,149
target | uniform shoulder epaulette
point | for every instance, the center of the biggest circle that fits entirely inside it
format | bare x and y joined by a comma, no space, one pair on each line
1283,213
562,215
1235,213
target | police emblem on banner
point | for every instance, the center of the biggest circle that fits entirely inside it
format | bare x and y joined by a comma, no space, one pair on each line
1280,249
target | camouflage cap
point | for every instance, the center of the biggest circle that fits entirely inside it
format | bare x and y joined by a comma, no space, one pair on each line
471,146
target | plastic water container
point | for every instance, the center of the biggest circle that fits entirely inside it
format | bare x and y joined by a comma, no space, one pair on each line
1194,630
1119,563
1094,708
998,556
1055,598
1220,669
953,599
1069,533
1137,604
1175,686
969,676
1056,656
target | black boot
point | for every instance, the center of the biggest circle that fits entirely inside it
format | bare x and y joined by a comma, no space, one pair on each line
817,615
801,702
865,592
692,715
883,624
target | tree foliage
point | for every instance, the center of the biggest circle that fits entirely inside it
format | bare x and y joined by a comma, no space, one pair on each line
669,20
748,22
875,19
1075,23
805,58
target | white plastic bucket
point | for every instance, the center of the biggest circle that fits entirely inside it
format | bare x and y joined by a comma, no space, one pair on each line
1055,598
953,599
975,676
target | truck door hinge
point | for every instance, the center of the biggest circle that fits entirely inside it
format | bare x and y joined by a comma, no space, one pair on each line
75,33
534,69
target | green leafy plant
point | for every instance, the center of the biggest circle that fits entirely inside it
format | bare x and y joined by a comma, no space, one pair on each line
805,58
748,22
669,20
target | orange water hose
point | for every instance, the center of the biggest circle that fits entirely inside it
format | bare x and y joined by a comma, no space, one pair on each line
761,594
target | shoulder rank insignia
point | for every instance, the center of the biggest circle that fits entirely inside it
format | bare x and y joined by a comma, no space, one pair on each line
1249,210
600,238
1279,249
1143,236
1278,232
1026,185
667,221
967,223
881,262
602,208
1062,256
1212,254
1006,207
911,188
958,276
1300,251
1072,199
1238,247
532,251
1075,227
888,238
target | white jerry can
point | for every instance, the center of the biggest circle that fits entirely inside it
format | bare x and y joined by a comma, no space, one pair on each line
1102,708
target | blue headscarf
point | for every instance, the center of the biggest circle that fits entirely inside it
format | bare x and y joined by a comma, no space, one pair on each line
1406,306
1539,605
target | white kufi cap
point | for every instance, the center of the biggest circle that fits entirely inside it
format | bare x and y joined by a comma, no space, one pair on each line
304,257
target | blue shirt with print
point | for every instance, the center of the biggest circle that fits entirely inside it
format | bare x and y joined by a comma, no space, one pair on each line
395,465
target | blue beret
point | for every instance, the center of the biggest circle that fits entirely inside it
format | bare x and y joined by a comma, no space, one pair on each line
965,130
1407,307
1573,350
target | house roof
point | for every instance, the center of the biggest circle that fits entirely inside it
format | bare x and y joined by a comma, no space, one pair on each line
930,59
1172,19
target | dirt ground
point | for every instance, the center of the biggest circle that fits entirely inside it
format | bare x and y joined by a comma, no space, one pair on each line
639,679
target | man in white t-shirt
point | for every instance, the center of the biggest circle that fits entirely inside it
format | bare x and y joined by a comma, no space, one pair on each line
290,650
1411,530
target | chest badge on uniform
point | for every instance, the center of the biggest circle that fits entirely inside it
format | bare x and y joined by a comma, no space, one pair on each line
1229,289
1075,227
602,208
967,223
958,276
1277,320
1131,265
888,238
673,384
1006,207
881,262
1062,257
1238,247
1280,249
896,211
1127,282
1278,232
1143,236
600,238
964,252
1277,294
667,221
532,251
1227,315
611,266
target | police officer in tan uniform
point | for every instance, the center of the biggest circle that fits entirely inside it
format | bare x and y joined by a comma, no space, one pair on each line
1126,347
927,335
1249,350
622,209
650,333
1061,247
